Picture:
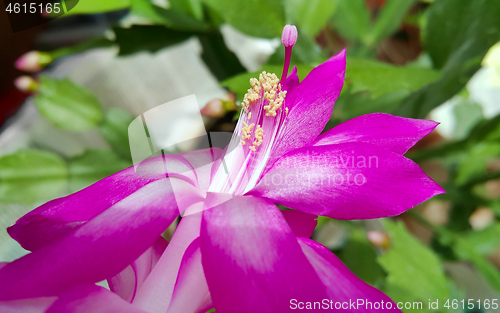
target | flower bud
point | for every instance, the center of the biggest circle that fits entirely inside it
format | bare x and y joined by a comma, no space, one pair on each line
26,84
481,218
33,61
289,35
217,108
379,239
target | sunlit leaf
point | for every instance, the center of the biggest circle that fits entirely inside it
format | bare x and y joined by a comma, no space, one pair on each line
171,18
259,18
310,15
93,165
31,175
389,19
379,78
414,271
475,246
114,129
352,19
67,105
96,6
360,257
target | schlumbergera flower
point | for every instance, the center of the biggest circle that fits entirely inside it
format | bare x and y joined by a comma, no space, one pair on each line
234,250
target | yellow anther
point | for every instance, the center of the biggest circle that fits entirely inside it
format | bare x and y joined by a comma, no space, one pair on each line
272,93
259,138
249,115
247,130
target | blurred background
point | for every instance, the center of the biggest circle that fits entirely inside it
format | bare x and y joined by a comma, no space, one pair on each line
70,87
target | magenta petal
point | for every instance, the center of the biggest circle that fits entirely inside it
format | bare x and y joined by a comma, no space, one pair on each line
126,283
347,181
251,259
302,224
36,305
342,285
57,218
312,105
191,286
97,250
291,82
394,133
156,293
91,298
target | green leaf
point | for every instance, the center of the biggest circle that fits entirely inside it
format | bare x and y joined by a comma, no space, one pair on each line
461,30
352,19
241,83
360,257
458,33
389,20
482,242
67,105
473,246
93,165
380,78
350,105
114,129
475,162
193,8
92,43
259,18
31,175
171,18
310,15
95,6
222,62
414,271
147,37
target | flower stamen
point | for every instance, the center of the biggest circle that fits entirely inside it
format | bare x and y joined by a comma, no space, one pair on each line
259,138
246,132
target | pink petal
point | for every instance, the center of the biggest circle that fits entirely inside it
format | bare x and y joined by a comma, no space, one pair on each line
251,258
202,162
57,218
347,181
291,82
98,249
342,284
302,224
35,305
91,298
128,281
156,292
394,133
191,286
312,105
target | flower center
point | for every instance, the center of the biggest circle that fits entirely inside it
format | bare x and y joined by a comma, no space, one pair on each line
259,127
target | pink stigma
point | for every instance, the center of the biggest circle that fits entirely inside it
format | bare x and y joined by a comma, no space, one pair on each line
289,35
288,38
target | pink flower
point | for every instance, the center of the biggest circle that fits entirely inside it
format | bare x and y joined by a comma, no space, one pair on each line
233,250
33,61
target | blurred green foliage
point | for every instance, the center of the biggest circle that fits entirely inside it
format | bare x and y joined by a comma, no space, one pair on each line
452,37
